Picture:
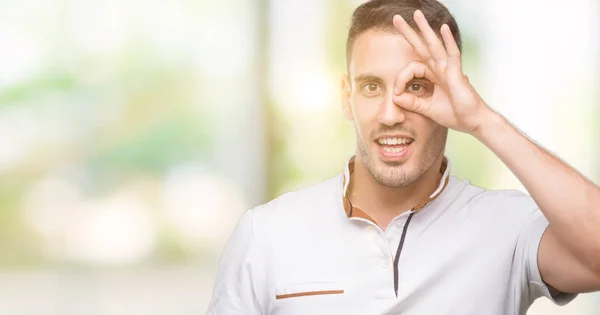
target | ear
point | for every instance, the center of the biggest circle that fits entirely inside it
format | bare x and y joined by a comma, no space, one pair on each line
346,92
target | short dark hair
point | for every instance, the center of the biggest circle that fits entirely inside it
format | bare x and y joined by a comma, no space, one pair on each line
378,15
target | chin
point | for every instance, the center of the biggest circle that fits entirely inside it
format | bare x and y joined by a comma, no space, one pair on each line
392,174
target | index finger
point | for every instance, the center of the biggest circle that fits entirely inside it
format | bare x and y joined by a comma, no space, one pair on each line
412,37
414,69
435,45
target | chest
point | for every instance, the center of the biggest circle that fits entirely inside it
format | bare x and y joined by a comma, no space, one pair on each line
352,272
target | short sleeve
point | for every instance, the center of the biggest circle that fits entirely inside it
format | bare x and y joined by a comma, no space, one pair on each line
526,256
235,290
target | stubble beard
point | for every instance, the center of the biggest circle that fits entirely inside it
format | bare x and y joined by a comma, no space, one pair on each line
394,175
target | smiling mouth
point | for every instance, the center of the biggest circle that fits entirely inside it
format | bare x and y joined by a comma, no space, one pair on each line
394,149
394,144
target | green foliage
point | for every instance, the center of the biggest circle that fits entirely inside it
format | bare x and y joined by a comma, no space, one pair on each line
19,245
175,140
49,82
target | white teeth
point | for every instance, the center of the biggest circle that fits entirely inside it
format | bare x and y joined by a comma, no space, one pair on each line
393,141
392,150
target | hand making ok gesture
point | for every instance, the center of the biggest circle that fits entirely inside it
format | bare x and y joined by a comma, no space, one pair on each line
455,103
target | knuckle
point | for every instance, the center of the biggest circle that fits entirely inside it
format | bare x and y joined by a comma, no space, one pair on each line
413,63
423,51
442,64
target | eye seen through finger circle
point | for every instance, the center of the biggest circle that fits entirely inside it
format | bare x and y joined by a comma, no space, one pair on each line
420,88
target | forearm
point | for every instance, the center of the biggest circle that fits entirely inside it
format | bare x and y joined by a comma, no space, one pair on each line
570,202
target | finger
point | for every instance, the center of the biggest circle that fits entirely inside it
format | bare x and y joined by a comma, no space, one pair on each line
454,59
413,69
435,45
451,46
412,37
412,103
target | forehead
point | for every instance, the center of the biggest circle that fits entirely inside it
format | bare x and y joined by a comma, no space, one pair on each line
380,53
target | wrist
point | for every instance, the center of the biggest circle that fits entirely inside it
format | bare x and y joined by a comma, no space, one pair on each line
490,124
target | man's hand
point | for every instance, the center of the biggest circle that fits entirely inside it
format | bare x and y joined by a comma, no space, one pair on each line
569,252
455,103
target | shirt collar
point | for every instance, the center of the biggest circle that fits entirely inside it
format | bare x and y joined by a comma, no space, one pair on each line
352,211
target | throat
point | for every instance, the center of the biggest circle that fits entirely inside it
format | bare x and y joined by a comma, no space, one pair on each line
383,203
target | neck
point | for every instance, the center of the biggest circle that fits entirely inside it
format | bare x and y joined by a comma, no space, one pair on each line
384,203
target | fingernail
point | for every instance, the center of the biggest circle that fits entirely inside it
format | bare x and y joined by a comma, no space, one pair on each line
396,90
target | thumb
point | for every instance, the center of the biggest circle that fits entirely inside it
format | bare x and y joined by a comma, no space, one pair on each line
412,103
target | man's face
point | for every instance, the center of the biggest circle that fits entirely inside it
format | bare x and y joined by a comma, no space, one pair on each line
396,146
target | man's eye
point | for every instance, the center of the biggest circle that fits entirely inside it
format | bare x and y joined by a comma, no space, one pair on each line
415,87
419,89
371,89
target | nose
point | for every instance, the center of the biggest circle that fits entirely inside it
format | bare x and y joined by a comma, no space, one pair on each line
389,112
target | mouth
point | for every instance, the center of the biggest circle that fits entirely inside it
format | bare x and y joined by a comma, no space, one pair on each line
394,148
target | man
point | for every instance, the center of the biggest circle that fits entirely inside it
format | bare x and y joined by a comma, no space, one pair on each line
395,234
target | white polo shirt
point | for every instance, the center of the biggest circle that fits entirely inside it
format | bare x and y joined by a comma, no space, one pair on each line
465,250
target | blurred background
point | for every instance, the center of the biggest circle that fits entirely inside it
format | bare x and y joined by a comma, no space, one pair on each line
133,134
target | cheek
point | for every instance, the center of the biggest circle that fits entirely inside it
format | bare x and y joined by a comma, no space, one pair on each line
365,109
365,114
425,127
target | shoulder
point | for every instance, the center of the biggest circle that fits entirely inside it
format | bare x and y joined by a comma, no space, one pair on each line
510,200
311,195
316,201
507,204
295,216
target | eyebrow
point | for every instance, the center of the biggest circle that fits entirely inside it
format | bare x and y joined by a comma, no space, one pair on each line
366,77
